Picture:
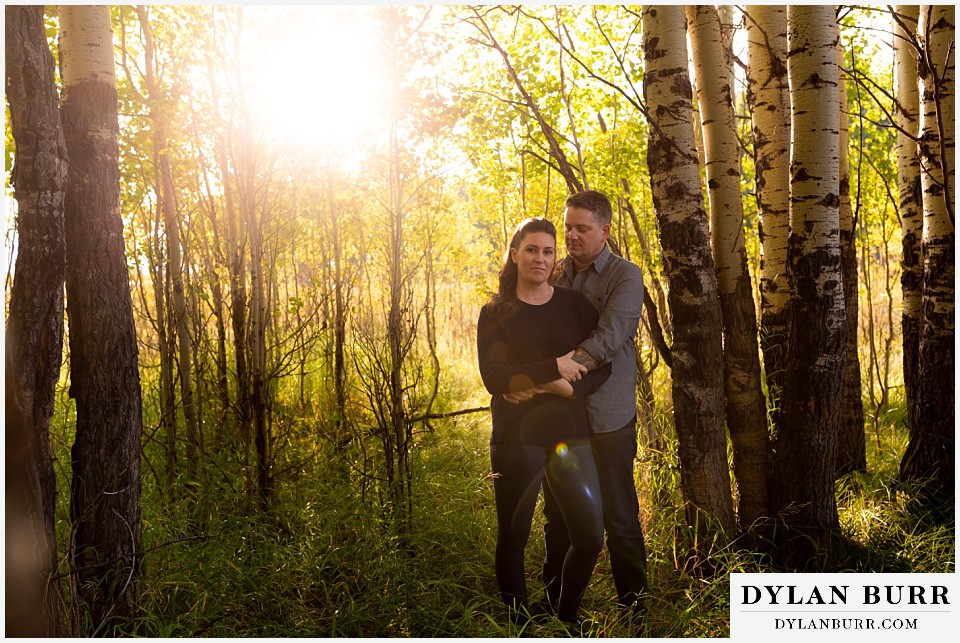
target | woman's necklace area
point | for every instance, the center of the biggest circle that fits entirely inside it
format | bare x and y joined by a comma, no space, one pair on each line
536,297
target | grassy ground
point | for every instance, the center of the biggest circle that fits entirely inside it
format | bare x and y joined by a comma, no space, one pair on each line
325,563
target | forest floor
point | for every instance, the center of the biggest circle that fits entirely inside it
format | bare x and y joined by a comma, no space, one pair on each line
327,562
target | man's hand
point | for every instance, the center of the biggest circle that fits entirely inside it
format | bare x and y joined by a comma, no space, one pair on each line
569,369
584,358
571,366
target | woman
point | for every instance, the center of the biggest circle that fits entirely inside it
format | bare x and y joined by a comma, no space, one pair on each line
520,333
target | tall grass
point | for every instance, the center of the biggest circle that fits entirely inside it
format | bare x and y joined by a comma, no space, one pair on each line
327,561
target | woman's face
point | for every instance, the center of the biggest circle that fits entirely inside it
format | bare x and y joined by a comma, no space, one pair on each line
535,257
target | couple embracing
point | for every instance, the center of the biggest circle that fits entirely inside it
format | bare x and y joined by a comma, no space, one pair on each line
556,352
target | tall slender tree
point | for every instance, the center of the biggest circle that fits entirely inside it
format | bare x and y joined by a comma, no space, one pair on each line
397,430
803,493
745,405
851,439
236,228
167,202
768,96
905,18
340,298
34,329
253,213
104,380
930,455
698,394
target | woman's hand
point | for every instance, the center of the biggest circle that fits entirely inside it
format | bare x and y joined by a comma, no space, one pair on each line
520,396
569,369
559,387
563,388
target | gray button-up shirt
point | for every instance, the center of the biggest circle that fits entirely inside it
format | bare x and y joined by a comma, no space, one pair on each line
615,288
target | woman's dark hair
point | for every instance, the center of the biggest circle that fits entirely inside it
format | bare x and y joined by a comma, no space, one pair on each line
504,302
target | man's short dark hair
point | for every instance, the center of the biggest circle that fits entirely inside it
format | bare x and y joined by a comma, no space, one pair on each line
596,202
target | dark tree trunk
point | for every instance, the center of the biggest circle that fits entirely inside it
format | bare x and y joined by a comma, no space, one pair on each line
803,494
341,436
851,438
34,336
105,493
697,351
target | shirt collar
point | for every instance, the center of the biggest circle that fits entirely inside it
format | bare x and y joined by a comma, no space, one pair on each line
598,264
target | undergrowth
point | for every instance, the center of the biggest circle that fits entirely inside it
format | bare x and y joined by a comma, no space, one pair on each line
326,561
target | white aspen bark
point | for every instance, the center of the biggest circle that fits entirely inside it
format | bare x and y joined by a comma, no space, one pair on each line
769,99
85,55
937,124
806,444
720,146
728,26
930,455
694,298
745,405
911,196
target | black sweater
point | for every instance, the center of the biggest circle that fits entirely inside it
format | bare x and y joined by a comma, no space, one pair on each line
519,352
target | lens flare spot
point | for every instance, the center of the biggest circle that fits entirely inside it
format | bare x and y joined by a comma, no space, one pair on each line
520,382
562,449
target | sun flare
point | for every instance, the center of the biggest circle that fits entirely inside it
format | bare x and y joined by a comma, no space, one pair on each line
317,77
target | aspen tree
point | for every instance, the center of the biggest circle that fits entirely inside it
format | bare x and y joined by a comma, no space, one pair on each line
769,100
851,439
167,202
911,197
236,238
745,406
34,328
340,289
930,455
398,432
727,14
697,372
252,215
803,493
236,241
155,257
104,380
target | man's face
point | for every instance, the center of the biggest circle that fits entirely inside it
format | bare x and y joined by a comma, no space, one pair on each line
583,236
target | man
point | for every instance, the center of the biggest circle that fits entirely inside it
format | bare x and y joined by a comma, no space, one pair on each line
615,287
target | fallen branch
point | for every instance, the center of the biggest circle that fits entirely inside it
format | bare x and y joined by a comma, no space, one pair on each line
440,416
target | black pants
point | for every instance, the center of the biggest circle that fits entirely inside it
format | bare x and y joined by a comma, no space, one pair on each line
570,474
614,453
